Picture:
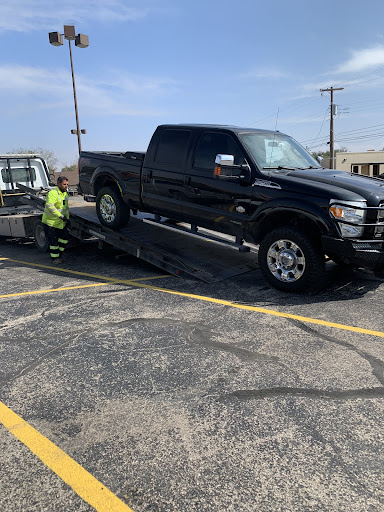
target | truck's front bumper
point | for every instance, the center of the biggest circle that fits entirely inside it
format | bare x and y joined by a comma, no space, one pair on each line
360,253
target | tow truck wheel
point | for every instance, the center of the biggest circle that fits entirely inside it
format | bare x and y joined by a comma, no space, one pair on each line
292,261
110,208
41,241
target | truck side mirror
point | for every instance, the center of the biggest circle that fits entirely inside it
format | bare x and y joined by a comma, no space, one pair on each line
225,160
226,170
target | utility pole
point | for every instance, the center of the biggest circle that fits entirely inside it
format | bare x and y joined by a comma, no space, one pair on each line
333,112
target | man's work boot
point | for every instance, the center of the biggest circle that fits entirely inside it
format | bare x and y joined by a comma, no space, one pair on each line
57,261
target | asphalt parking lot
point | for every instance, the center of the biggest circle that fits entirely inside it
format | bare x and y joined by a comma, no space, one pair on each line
122,388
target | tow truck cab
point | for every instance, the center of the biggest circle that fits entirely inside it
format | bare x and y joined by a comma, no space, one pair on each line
30,170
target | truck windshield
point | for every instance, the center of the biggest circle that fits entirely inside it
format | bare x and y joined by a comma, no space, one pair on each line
277,151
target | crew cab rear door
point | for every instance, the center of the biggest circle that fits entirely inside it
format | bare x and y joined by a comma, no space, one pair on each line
163,172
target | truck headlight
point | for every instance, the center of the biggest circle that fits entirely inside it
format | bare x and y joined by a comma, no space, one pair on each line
347,211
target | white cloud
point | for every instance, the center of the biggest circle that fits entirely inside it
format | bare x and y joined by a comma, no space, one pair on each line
29,15
265,73
47,89
363,59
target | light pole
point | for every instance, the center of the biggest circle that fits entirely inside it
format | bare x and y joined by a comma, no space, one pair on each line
81,40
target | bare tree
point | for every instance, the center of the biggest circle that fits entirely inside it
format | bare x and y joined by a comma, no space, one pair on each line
48,156
68,168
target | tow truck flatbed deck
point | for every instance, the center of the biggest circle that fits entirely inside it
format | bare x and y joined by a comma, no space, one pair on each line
211,257
164,246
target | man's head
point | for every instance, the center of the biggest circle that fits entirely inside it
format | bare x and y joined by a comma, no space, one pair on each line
62,183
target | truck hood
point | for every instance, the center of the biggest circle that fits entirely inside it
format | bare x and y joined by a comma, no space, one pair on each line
336,184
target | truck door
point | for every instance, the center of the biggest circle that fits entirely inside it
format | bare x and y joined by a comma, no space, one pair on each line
163,176
223,205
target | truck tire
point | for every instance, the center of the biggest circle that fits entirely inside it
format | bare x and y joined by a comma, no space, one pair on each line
291,261
110,208
41,241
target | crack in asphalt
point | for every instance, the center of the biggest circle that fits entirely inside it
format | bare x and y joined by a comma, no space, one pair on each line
350,394
36,362
376,364
202,337
194,334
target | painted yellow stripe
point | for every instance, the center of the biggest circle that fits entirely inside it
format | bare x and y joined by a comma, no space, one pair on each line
271,312
265,311
83,483
84,274
35,292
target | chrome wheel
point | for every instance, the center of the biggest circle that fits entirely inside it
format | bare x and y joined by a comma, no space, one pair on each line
286,261
111,210
108,208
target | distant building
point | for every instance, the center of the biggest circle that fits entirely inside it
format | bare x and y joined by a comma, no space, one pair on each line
369,163
73,180
73,177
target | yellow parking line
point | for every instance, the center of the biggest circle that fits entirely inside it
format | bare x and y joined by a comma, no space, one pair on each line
264,311
84,274
83,483
33,292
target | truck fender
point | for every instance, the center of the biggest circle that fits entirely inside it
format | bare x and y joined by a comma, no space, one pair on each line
283,212
102,176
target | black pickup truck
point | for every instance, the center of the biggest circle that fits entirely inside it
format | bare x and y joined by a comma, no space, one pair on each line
260,186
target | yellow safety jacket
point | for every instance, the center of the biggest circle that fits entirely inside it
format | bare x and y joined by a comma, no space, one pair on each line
56,205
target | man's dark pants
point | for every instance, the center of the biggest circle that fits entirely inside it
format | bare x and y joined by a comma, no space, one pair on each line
57,240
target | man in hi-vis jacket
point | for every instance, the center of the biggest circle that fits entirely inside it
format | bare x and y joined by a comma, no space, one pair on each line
55,218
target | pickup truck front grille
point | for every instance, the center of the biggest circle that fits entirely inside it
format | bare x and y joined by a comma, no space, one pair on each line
379,229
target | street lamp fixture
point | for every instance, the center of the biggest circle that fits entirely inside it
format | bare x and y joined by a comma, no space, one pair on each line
81,40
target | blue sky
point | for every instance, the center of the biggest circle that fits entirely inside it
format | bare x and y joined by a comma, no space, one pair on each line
149,62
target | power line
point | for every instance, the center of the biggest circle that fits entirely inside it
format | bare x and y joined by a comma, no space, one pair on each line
366,101
362,129
369,129
364,138
290,108
352,81
322,124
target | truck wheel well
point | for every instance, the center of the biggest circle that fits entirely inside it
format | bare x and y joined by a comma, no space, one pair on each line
277,220
104,181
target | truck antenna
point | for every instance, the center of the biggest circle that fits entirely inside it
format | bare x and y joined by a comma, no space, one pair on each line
277,118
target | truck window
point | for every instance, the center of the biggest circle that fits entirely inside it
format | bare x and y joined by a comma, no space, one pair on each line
172,147
212,144
18,174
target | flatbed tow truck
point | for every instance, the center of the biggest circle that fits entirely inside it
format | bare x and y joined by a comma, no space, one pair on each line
179,249
17,219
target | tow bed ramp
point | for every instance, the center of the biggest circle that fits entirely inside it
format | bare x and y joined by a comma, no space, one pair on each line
162,245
